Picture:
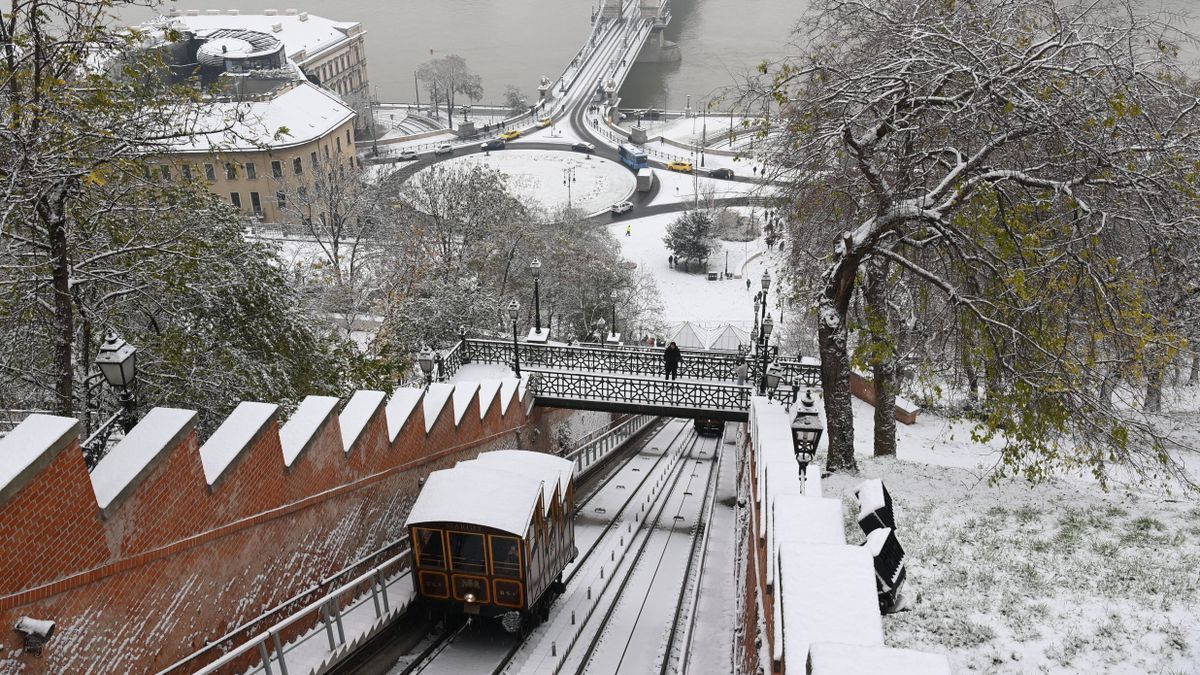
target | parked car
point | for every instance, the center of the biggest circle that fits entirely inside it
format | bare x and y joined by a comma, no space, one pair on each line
408,155
682,167
510,135
721,173
493,144
545,122
583,147
443,149
621,207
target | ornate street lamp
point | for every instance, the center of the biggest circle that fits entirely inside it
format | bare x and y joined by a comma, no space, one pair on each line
767,325
806,434
535,266
117,360
514,308
425,363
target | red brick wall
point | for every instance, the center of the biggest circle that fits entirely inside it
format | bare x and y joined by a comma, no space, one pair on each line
176,563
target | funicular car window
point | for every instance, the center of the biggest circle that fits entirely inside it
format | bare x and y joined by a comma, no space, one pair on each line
466,552
430,550
506,556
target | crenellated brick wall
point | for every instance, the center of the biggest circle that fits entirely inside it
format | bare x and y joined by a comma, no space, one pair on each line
171,561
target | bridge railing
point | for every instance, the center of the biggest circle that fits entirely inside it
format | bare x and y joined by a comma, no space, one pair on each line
646,362
589,453
646,393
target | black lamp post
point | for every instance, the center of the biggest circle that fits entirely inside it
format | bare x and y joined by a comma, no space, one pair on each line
425,363
765,337
806,434
535,266
514,308
117,360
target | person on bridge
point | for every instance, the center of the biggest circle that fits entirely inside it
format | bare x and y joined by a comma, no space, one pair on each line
672,357
740,371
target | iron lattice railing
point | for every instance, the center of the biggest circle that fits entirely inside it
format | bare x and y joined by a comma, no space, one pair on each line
652,393
642,361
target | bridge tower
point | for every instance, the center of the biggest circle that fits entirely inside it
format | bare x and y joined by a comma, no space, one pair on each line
610,9
657,49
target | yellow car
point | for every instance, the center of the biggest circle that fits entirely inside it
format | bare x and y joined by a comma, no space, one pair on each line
545,122
509,135
682,167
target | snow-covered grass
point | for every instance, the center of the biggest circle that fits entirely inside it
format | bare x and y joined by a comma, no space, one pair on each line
540,176
1016,578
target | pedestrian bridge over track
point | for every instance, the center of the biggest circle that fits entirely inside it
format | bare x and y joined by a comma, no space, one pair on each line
630,379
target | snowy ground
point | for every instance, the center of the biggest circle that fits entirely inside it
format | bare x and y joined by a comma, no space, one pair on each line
541,176
690,296
1013,578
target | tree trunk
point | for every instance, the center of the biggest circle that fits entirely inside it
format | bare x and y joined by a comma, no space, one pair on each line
884,368
1154,380
51,209
832,307
1194,376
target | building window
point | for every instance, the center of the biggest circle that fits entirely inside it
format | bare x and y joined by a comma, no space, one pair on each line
187,171
276,169
312,156
255,204
146,173
165,171
210,172
297,166
347,137
302,192
236,198
326,151
338,139
251,171
281,200
230,171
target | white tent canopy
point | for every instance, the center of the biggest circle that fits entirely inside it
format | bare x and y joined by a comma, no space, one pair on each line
689,336
728,338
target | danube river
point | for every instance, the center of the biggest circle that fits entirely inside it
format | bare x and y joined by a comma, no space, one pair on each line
517,41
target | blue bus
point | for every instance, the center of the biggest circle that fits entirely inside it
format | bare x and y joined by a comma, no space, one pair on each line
632,157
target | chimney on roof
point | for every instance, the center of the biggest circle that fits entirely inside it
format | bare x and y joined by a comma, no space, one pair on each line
290,11
270,12
193,12
174,11
234,12
214,12
276,27
304,16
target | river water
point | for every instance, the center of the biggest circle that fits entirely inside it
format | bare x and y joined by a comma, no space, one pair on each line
517,41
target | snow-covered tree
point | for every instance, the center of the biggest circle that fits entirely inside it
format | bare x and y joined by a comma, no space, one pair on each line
1007,156
692,236
447,76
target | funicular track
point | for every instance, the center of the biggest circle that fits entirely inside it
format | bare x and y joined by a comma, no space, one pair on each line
442,654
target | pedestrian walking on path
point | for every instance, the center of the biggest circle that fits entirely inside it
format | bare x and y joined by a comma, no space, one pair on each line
671,261
628,230
671,358
747,283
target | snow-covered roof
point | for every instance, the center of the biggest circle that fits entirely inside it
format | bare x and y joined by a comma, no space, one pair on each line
834,658
300,114
135,454
551,470
728,338
689,336
300,32
827,594
24,446
234,434
473,492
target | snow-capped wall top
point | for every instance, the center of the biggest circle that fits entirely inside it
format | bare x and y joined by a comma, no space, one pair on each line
828,595
28,448
402,403
833,658
464,393
234,436
134,457
507,388
295,436
436,396
358,411
487,392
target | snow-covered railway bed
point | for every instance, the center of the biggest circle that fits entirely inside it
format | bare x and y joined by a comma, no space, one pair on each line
646,563
483,646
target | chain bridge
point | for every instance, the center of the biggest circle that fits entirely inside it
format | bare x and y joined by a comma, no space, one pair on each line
630,378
